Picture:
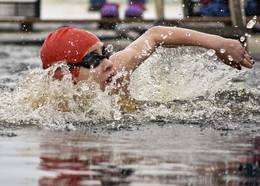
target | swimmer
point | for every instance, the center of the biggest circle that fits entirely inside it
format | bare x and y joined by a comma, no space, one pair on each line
86,55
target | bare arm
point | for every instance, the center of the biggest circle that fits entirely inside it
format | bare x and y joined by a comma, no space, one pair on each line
132,56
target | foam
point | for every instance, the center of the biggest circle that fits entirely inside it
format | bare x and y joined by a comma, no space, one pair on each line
174,84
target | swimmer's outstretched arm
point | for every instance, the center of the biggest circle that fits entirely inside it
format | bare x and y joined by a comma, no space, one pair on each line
133,55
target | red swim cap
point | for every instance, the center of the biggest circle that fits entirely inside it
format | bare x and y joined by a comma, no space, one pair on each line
67,44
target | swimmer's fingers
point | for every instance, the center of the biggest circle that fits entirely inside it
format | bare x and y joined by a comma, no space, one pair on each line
243,58
235,55
245,62
234,65
248,61
230,61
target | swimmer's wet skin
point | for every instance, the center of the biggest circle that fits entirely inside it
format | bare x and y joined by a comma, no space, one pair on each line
85,54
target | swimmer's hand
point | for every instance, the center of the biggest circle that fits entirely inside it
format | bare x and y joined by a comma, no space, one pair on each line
232,53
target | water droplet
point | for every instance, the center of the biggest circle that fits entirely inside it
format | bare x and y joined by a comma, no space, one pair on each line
251,23
145,53
164,36
242,38
211,52
222,50
166,69
117,116
109,48
147,44
230,58
188,34
71,43
170,33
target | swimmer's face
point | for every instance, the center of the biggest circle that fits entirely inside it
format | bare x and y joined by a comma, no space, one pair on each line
103,73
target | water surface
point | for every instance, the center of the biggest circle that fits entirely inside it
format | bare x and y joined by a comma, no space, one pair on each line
196,122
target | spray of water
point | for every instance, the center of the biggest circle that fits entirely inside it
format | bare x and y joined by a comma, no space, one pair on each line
251,23
181,73
174,84
41,100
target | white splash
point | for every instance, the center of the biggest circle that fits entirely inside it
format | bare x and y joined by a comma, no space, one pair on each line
242,38
211,52
251,23
110,48
39,99
184,74
222,50
181,73
164,36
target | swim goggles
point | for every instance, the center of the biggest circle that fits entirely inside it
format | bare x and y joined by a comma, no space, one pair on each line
92,60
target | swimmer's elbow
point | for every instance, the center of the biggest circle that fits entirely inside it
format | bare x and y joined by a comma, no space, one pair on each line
156,29
152,34
156,33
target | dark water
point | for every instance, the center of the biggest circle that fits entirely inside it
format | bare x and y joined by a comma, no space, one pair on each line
149,153
209,139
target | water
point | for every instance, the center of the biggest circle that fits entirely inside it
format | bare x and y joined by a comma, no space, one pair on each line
251,23
194,122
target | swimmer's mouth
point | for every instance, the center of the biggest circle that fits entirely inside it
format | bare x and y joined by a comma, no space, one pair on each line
109,79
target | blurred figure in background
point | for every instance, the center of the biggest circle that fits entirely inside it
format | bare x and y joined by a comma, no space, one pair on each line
96,5
221,8
111,9
252,7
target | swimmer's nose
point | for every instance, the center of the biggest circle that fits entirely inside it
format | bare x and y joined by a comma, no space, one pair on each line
107,65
